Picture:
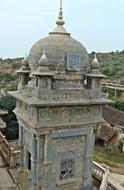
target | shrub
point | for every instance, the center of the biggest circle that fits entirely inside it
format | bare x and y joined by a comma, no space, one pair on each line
11,131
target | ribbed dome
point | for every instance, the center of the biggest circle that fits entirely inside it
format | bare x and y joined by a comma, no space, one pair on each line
57,46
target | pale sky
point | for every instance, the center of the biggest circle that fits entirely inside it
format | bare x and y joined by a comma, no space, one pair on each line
97,24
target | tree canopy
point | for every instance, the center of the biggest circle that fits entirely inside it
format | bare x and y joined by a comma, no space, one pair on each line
8,103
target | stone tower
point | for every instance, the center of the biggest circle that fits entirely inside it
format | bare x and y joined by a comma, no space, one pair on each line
59,108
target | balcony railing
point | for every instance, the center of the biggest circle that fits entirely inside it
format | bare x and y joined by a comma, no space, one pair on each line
101,174
10,155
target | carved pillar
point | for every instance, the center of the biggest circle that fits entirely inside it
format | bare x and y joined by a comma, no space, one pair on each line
34,163
2,138
87,172
45,149
3,145
12,162
21,143
39,159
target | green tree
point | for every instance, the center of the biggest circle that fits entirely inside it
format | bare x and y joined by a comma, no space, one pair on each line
11,131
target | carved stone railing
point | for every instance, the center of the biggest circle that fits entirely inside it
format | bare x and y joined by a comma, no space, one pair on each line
101,174
9,154
112,84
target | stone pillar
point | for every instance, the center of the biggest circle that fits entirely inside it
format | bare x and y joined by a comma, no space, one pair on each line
45,149
2,138
21,143
39,152
87,172
34,163
12,162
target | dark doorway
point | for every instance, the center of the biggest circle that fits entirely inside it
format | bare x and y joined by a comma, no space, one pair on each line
29,160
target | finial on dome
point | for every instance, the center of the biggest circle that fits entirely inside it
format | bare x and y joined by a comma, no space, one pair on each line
95,63
60,4
43,60
60,17
95,59
25,60
60,28
95,69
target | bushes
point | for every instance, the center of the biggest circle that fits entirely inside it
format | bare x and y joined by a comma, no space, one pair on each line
121,144
119,103
111,64
108,156
7,103
109,91
11,131
7,77
110,148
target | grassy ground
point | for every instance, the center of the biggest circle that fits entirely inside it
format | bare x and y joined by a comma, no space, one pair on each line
113,159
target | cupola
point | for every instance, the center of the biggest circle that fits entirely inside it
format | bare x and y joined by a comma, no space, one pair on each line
94,76
23,73
43,76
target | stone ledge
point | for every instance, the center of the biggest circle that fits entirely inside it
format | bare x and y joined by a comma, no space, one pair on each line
66,181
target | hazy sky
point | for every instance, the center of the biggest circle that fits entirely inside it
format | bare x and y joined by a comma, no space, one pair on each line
97,24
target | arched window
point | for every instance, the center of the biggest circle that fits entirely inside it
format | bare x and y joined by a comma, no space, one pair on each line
67,165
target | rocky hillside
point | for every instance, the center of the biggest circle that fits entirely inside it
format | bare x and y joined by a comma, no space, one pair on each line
112,64
10,65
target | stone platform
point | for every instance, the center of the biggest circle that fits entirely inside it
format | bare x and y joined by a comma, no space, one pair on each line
116,180
21,178
6,182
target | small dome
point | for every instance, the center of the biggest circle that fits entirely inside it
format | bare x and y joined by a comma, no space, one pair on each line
95,69
25,66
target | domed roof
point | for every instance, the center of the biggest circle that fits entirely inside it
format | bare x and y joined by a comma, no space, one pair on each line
58,45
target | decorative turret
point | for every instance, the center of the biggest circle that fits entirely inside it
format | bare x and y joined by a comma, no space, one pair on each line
94,76
58,116
43,76
23,73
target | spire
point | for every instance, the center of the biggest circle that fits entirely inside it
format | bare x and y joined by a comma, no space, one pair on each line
60,17
60,4
60,28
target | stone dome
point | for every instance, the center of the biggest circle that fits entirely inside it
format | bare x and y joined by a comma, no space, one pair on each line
57,46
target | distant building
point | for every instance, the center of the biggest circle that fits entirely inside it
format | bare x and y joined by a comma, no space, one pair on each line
114,118
58,113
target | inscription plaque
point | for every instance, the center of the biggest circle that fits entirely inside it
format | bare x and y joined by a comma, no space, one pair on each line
73,61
